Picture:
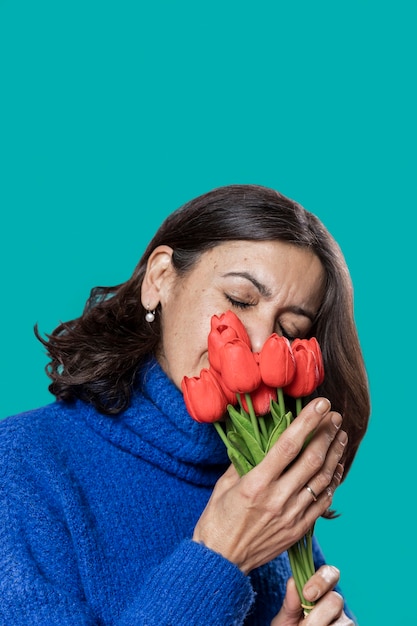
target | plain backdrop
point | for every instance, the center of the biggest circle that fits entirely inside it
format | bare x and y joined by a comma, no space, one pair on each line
113,114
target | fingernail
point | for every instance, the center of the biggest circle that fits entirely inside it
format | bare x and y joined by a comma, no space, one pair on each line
342,437
339,472
330,574
337,420
322,406
312,593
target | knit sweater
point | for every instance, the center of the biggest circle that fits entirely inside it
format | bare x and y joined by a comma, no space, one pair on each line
97,515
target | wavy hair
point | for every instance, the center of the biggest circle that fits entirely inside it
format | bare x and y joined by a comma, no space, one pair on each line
96,356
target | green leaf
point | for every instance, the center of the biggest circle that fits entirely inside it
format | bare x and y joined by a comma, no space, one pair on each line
275,411
276,433
241,464
281,425
245,429
229,425
238,442
289,417
241,421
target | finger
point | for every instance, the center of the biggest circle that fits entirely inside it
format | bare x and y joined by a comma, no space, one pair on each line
329,609
290,613
290,443
330,474
316,465
311,508
317,446
308,508
323,452
312,493
322,581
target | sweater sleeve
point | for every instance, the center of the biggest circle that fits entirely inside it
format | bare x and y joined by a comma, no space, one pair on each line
40,581
193,586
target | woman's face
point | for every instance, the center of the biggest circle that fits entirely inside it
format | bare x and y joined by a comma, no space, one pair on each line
272,286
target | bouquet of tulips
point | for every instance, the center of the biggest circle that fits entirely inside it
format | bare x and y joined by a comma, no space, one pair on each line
245,395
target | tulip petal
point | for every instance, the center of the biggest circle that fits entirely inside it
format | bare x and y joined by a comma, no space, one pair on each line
238,367
203,397
261,399
306,374
230,320
276,361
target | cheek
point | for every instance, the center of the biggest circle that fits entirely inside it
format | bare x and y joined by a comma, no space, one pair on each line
184,343
194,349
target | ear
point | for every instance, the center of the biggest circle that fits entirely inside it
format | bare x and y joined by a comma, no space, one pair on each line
158,276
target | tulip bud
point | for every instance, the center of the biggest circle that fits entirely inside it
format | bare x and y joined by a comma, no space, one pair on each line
261,399
315,347
229,319
230,395
276,361
238,367
203,396
307,374
223,329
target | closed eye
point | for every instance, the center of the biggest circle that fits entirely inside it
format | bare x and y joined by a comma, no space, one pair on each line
287,335
238,303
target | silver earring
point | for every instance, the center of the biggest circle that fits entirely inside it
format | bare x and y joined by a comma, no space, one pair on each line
150,315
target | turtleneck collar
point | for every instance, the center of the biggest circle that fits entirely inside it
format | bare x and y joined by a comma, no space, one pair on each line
158,428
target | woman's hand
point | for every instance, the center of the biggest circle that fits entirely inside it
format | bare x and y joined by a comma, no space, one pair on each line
252,519
329,604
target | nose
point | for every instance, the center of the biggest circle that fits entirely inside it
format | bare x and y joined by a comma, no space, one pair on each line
259,332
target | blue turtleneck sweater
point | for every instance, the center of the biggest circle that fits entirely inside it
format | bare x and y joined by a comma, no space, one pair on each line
97,515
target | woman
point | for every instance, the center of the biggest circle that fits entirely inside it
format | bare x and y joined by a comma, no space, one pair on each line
118,507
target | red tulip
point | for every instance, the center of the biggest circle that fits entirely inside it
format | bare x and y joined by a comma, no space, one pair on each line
315,347
276,361
231,320
230,395
224,328
261,399
238,367
203,396
307,373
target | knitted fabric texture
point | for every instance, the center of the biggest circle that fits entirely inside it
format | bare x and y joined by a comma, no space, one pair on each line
97,515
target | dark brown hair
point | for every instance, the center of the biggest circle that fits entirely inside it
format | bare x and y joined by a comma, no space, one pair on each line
96,357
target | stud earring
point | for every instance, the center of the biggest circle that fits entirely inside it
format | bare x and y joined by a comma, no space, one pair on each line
150,315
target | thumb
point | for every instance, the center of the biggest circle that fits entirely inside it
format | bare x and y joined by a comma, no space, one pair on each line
290,613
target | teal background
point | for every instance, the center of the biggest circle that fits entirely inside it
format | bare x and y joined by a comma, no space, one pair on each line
114,114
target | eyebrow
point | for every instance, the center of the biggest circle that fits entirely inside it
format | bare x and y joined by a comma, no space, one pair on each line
266,293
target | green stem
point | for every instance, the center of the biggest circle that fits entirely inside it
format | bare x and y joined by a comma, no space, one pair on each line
305,560
302,566
254,419
292,555
281,400
222,434
310,551
239,398
264,429
298,405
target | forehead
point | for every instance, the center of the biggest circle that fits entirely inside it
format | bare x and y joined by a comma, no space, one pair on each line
273,255
270,264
